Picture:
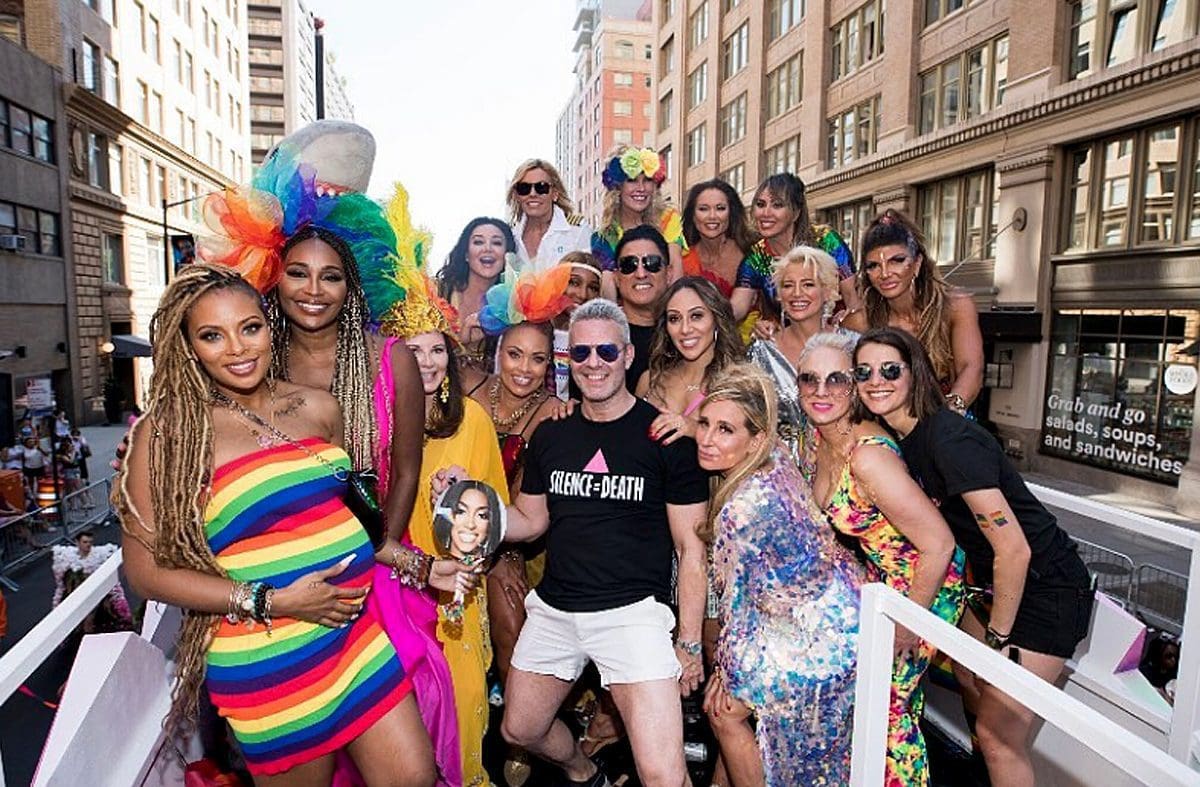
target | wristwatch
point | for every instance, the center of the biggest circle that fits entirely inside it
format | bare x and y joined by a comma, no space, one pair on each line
994,639
690,648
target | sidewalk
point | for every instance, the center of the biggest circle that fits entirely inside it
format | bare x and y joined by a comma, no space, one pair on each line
104,441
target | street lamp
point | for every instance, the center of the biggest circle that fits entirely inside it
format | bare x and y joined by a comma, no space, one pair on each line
168,266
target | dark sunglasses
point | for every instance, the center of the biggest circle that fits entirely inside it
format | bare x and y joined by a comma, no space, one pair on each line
607,352
888,370
836,383
523,189
653,263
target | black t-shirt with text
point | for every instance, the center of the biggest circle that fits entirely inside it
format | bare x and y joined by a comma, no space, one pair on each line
607,485
949,455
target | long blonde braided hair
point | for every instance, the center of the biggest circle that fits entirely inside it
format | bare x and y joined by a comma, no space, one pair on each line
178,420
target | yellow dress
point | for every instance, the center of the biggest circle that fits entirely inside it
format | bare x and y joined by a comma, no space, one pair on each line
467,644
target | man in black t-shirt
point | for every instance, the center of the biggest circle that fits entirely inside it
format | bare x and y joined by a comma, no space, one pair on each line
614,506
642,261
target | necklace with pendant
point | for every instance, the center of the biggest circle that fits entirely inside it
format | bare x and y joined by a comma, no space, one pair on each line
266,435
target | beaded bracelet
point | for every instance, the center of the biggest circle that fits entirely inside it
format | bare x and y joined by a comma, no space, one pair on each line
410,567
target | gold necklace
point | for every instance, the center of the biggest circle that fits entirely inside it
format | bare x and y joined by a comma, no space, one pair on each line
515,417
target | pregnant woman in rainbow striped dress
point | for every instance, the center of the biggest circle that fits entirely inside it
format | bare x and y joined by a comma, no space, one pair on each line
232,495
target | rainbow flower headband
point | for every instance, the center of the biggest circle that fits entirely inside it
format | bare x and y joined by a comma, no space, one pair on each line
630,164
529,297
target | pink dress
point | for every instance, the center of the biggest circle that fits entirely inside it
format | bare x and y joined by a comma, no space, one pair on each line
410,619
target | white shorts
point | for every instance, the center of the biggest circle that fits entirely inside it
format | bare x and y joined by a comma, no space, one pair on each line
629,644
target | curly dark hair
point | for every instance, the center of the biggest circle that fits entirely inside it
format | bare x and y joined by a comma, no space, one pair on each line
453,276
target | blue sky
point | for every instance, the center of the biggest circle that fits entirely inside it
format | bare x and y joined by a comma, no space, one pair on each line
456,93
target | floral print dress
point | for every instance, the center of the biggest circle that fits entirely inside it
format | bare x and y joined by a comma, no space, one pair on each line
787,597
892,559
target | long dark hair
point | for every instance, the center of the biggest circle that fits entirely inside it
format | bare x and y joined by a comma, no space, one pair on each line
352,378
790,189
931,293
728,348
739,228
454,274
447,416
925,398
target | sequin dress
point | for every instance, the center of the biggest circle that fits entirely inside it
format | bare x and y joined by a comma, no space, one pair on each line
892,559
788,610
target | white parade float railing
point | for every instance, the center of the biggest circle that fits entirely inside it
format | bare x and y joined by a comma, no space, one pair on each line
883,608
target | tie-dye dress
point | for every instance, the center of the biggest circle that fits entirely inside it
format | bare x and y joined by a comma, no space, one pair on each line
892,559
787,603
302,690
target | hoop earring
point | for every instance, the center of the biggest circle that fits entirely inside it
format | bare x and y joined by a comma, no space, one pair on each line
444,390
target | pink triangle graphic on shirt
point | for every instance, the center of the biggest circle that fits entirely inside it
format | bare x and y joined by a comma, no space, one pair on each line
597,464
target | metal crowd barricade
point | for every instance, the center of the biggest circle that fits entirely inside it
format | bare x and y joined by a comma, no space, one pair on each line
28,537
1160,596
1112,571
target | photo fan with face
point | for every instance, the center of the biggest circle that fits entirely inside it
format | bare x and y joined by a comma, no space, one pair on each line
469,523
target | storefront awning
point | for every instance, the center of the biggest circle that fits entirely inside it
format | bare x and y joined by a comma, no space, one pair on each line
127,345
1011,326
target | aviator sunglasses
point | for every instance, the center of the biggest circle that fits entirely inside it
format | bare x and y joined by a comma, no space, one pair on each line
607,352
523,189
836,383
653,263
888,370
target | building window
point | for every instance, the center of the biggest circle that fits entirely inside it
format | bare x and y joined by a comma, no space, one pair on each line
20,129
146,181
1170,25
623,79
849,220
853,134
697,144
735,51
112,81
782,16
1083,30
956,215
91,67
857,39
622,136
733,121
1128,190
668,9
41,229
698,26
784,86
43,139
116,169
735,176
102,7
622,108
8,219
665,105
112,255
963,87
729,5
784,157
1111,398
49,234
666,60
151,42
623,50
97,160
698,85
938,9
12,28
667,156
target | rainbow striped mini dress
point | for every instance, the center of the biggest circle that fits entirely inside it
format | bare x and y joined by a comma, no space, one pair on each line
303,690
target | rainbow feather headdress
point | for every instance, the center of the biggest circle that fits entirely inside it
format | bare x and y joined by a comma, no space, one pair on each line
402,299
249,225
525,297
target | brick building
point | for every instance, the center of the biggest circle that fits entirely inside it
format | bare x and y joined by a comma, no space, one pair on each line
611,103
1050,150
